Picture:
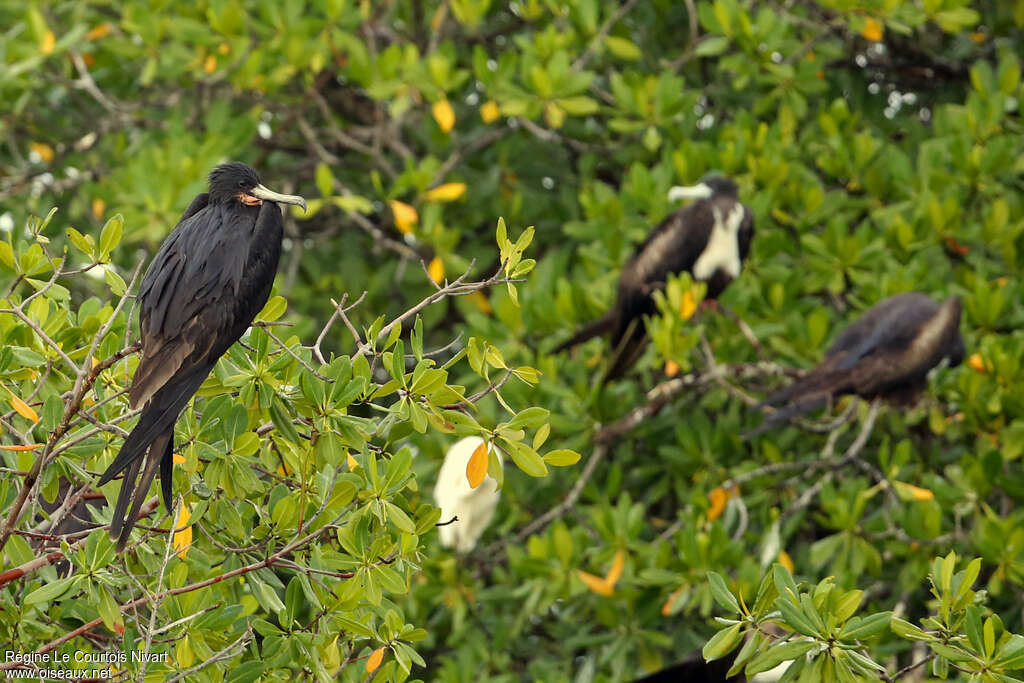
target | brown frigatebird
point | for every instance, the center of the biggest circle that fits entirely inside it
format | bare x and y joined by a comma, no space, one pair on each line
886,353
207,282
709,239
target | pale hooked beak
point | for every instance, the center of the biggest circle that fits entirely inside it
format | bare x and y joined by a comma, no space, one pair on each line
261,192
698,191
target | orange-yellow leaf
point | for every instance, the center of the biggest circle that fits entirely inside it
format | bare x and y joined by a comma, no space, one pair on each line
671,368
786,561
98,207
489,111
98,32
88,59
689,305
183,535
872,30
1001,281
210,64
352,462
44,151
48,42
444,115
719,497
223,48
405,216
481,302
19,447
978,37
615,572
373,663
476,468
436,269
595,583
178,459
448,192
977,363
23,409
666,609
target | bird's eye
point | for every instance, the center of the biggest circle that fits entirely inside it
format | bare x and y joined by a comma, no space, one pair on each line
241,183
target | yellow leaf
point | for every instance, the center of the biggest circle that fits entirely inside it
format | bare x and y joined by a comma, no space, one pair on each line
872,30
618,562
44,151
786,561
98,32
178,459
719,497
481,302
448,192
671,368
373,663
595,583
183,537
666,609
689,305
476,468
48,42
19,448
489,111
977,363
405,216
223,48
210,64
23,409
911,492
436,269
978,37
352,462
444,115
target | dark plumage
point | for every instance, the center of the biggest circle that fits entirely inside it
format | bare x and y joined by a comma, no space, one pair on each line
708,239
886,353
205,285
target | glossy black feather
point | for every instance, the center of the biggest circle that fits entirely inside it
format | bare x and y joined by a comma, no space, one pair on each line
205,285
674,246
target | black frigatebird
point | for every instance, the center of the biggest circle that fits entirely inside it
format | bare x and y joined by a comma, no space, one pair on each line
709,238
886,353
206,284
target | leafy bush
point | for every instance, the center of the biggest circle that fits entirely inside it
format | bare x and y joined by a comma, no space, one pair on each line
878,145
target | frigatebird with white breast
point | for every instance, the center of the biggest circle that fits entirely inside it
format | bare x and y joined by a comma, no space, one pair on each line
207,282
709,239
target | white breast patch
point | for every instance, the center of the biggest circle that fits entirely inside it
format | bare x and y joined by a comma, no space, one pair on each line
723,247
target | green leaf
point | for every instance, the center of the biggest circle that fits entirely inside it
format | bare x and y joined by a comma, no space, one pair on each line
114,281
526,459
622,48
562,457
110,236
862,628
711,46
6,254
52,590
274,309
399,518
722,643
904,629
84,243
777,654
721,593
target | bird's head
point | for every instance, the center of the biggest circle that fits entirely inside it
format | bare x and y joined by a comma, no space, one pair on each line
710,186
235,181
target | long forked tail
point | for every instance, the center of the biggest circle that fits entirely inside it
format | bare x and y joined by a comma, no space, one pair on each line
627,351
592,329
149,444
160,451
